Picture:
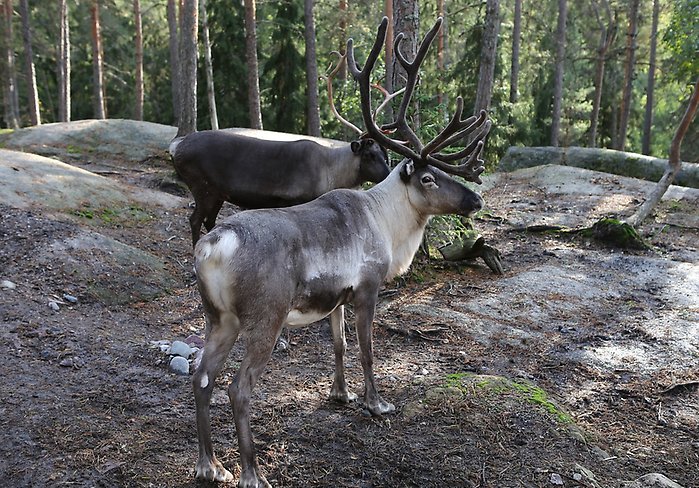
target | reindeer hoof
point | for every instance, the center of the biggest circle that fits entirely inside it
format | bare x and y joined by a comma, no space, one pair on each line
343,396
212,471
258,481
380,407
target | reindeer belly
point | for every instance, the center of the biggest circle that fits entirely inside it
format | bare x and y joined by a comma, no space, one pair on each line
315,304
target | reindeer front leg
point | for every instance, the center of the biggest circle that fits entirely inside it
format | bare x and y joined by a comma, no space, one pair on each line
339,391
364,308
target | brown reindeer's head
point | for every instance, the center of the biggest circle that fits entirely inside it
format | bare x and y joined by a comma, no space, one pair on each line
373,163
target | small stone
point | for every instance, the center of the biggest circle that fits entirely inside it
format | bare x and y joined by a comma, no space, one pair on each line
194,341
577,476
179,348
654,480
556,479
54,306
179,365
7,284
70,298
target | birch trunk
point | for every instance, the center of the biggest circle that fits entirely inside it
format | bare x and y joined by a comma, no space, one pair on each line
30,72
138,109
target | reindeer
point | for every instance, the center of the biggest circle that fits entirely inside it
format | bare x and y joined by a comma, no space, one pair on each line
260,270
219,165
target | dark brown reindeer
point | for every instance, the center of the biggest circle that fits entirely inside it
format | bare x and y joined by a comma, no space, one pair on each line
260,270
219,166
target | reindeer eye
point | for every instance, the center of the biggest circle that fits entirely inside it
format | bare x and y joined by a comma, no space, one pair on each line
426,179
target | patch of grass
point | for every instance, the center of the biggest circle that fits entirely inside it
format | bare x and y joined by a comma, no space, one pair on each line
113,216
455,380
499,385
538,396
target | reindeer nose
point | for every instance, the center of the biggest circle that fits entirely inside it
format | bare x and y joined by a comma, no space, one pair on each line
472,203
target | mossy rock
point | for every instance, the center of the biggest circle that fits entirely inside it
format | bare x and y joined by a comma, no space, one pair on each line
618,234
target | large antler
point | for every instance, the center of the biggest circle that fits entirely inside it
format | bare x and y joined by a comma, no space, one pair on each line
455,131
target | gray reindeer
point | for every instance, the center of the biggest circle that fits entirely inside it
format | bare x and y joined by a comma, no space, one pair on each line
261,270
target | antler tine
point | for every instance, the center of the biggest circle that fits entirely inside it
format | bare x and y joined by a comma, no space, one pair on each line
362,77
461,134
412,70
467,150
387,97
455,126
329,81
473,167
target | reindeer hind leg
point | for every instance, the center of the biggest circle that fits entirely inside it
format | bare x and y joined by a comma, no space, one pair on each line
260,344
222,334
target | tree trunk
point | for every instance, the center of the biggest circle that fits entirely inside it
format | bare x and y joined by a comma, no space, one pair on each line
138,109
560,65
64,64
30,73
97,74
188,63
210,92
607,36
514,67
625,109
174,59
251,57
406,21
313,121
441,49
648,119
486,72
674,162
10,76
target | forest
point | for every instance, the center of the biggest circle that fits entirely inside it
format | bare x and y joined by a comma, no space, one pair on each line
593,73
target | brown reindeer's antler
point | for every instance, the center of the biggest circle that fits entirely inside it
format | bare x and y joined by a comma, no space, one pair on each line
455,131
329,83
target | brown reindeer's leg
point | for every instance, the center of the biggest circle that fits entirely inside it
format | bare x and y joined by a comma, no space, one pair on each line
206,208
260,344
364,307
211,214
339,391
219,341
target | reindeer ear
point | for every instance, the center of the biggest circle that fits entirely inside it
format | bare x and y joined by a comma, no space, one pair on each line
355,146
408,170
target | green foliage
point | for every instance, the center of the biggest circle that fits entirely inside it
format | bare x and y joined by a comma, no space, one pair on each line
282,77
682,39
227,35
283,73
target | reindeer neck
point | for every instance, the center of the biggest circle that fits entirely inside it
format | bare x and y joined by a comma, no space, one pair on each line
342,170
401,224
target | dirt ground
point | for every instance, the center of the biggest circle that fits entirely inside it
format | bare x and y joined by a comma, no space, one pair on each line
499,381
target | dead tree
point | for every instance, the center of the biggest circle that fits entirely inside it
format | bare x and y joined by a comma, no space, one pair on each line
674,162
